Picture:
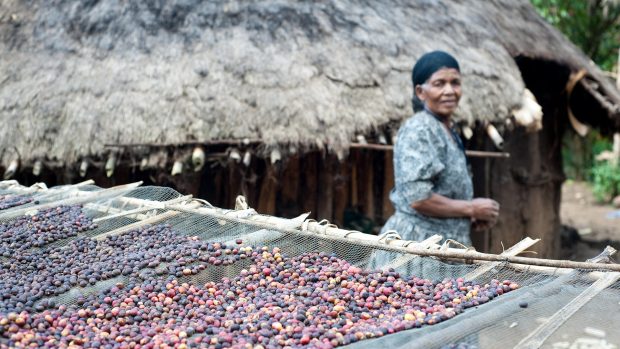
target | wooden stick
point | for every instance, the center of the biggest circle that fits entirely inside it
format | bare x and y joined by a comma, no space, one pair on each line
470,153
240,141
605,103
401,245
335,234
428,243
618,71
513,251
387,209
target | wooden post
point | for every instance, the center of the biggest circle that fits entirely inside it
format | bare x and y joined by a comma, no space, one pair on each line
341,190
219,192
618,71
325,202
368,186
234,183
309,177
354,177
616,149
388,183
268,192
288,201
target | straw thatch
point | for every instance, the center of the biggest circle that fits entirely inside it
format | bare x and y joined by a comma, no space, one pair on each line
77,75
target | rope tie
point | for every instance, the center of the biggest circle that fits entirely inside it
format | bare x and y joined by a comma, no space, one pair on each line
204,202
446,245
241,203
389,235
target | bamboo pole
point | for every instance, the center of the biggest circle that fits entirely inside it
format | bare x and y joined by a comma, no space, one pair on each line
470,153
334,234
566,274
402,246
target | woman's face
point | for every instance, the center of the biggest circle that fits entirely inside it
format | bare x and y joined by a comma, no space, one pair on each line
441,92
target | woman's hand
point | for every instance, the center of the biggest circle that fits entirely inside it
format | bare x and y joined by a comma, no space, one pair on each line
485,210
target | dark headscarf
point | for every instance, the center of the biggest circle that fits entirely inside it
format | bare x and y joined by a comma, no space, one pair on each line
426,66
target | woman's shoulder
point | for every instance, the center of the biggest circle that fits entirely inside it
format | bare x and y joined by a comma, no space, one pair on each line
420,121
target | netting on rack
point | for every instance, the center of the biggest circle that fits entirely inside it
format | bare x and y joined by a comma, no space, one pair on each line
232,278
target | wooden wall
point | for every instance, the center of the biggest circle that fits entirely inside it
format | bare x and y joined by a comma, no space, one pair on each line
315,182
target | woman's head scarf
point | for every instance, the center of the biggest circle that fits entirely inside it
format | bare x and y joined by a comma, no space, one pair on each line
426,66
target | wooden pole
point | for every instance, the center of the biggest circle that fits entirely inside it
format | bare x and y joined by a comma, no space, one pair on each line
354,178
470,153
320,231
615,160
289,198
616,148
368,185
267,197
341,191
240,141
309,177
618,71
325,209
388,183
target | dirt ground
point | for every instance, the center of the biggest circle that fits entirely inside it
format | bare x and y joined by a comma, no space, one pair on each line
589,226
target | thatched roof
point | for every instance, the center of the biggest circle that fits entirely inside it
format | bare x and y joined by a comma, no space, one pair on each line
77,75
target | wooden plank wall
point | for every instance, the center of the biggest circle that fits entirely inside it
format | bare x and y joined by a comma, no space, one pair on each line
315,182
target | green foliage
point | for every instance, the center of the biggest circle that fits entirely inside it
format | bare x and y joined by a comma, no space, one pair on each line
578,153
606,180
593,25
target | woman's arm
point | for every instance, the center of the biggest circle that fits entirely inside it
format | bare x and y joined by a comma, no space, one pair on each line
442,207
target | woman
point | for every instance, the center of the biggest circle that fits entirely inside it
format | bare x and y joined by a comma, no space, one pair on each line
433,191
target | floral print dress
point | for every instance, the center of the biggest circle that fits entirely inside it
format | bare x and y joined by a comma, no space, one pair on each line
427,160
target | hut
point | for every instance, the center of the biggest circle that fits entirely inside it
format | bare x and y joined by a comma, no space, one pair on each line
286,102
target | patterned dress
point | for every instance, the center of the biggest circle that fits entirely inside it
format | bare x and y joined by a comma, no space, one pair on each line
427,160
